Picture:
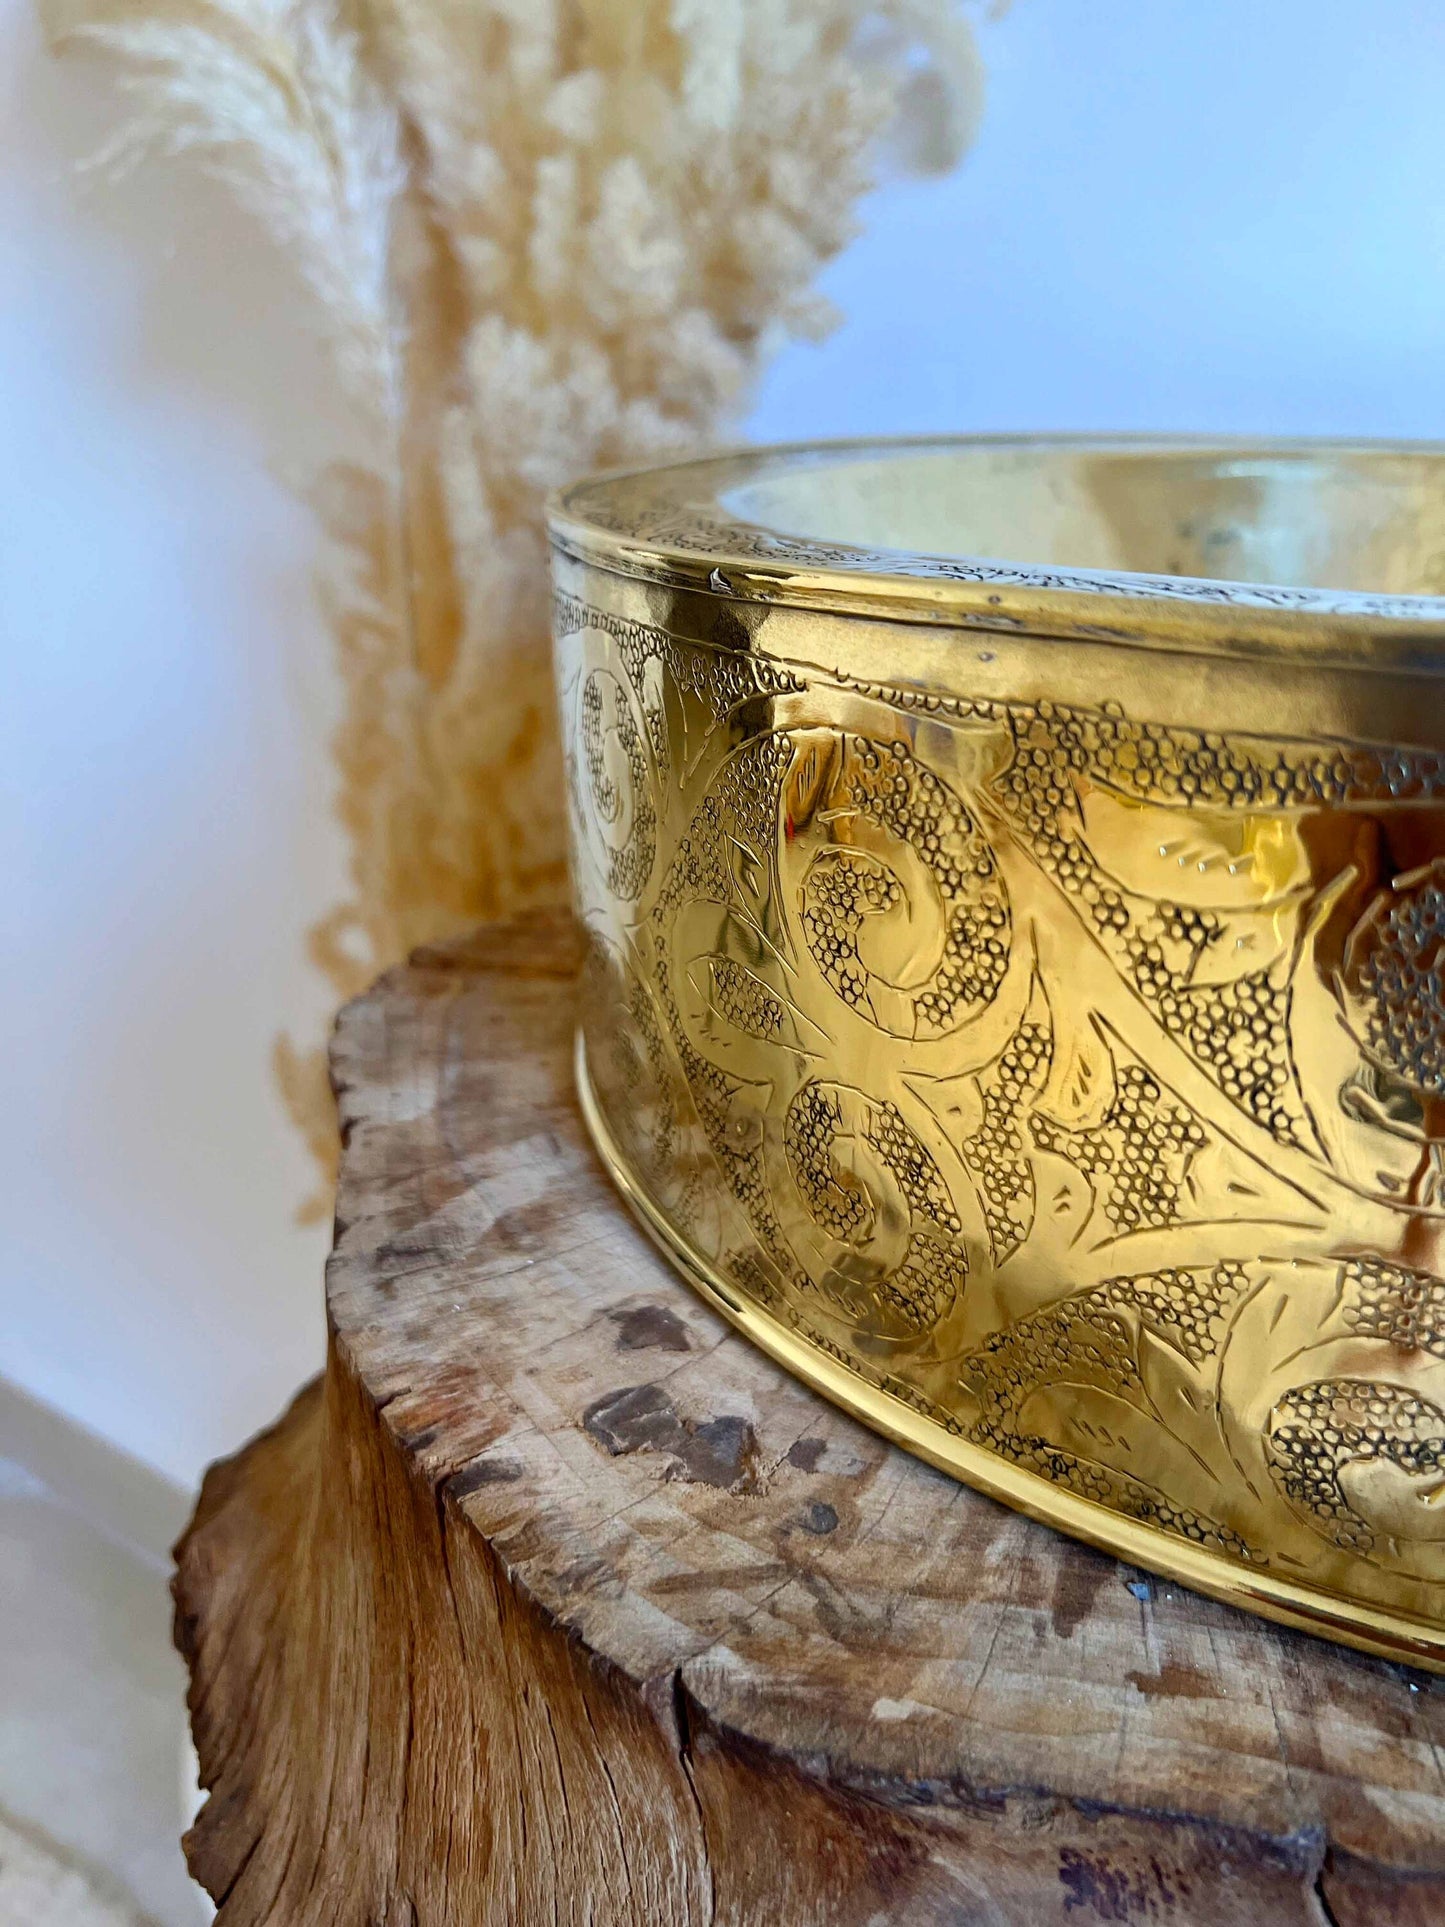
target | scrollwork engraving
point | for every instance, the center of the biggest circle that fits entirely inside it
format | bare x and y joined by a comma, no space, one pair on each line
1078,1080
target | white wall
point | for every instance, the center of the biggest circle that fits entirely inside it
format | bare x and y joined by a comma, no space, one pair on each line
164,824
1191,214
1179,215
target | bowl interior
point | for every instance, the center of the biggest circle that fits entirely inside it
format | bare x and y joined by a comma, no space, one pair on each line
1357,519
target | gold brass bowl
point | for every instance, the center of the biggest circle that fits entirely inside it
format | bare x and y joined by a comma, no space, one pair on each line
1017,986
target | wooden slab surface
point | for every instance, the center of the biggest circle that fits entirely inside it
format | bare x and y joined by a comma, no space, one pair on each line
1030,1729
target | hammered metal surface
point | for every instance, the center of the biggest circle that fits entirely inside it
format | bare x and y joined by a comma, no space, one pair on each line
1072,1078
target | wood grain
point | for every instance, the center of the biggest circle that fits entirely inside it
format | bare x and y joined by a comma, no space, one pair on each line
557,1602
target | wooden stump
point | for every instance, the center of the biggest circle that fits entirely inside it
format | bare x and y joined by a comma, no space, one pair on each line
557,1602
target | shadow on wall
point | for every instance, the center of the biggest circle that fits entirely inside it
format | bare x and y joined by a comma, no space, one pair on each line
94,1757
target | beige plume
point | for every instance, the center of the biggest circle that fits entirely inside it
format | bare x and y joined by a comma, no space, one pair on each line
542,236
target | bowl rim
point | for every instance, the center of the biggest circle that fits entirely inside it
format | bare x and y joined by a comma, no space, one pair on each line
668,524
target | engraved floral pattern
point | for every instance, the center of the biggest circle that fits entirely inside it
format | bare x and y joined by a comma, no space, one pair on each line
1075,1079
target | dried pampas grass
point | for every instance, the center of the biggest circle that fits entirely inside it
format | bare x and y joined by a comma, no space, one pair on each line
542,236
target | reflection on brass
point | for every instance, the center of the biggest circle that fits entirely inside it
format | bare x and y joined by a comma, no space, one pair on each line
1017,983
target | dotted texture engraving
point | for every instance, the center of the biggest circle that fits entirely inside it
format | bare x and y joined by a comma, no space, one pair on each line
1077,1080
